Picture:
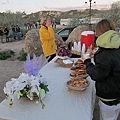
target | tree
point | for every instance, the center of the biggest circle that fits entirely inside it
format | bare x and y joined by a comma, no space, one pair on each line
114,13
8,18
76,20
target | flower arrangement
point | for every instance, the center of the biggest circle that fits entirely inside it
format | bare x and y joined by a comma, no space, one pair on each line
64,51
30,84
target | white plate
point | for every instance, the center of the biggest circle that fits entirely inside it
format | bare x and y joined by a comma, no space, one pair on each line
62,57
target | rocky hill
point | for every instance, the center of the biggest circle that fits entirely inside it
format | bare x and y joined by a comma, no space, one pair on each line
57,15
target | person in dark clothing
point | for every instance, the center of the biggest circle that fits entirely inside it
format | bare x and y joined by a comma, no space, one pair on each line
14,32
1,35
18,32
106,70
36,25
6,32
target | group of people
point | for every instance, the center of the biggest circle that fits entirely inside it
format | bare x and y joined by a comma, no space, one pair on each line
105,70
31,25
10,33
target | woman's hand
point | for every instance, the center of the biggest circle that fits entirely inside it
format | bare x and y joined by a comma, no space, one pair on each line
93,52
83,58
48,22
57,41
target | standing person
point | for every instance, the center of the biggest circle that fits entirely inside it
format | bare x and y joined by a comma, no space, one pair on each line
14,32
18,32
36,25
11,34
47,38
1,35
6,32
55,24
106,70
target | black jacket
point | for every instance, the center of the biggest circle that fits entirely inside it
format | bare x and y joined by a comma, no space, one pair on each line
1,33
17,29
6,31
106,72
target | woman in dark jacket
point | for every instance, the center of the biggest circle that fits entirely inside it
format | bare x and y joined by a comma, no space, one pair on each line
1,35
106,70
6,32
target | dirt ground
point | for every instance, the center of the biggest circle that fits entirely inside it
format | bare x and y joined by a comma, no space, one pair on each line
12,68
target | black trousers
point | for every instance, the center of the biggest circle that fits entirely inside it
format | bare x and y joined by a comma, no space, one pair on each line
51,57
7,38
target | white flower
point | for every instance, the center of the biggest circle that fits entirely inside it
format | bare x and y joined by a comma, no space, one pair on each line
23,74
35,89
15,85
35,82
21,86
9,84
18,95
23,78
43,80
25,86
13,80
7,90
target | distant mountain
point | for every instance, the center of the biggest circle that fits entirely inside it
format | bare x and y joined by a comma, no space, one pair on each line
57,15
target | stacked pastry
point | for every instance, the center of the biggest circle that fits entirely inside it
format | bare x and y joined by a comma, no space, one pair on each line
78,69
78,75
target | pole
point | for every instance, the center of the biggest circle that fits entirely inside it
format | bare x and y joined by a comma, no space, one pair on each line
90,12
90,9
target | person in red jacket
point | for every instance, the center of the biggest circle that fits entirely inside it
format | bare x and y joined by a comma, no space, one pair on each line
106,70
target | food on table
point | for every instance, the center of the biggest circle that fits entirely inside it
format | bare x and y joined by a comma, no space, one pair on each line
78,69
78,66
77,83
76,52
78,73
79,61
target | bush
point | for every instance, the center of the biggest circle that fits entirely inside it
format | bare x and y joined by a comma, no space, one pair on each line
2,56
22,56
6,54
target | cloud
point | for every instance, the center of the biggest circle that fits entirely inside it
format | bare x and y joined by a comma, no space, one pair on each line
4,2
59,8
100,6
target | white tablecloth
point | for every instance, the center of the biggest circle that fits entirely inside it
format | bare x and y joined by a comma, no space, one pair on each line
60,103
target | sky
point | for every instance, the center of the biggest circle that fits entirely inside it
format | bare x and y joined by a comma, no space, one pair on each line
31,6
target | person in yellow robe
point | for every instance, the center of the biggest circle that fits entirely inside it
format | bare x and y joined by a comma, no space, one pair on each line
47,38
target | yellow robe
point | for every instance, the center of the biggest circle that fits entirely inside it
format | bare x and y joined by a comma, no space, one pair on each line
47,40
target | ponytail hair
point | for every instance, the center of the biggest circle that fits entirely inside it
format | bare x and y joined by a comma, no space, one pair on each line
103,26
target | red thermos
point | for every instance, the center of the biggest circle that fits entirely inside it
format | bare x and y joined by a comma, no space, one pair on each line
87,38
